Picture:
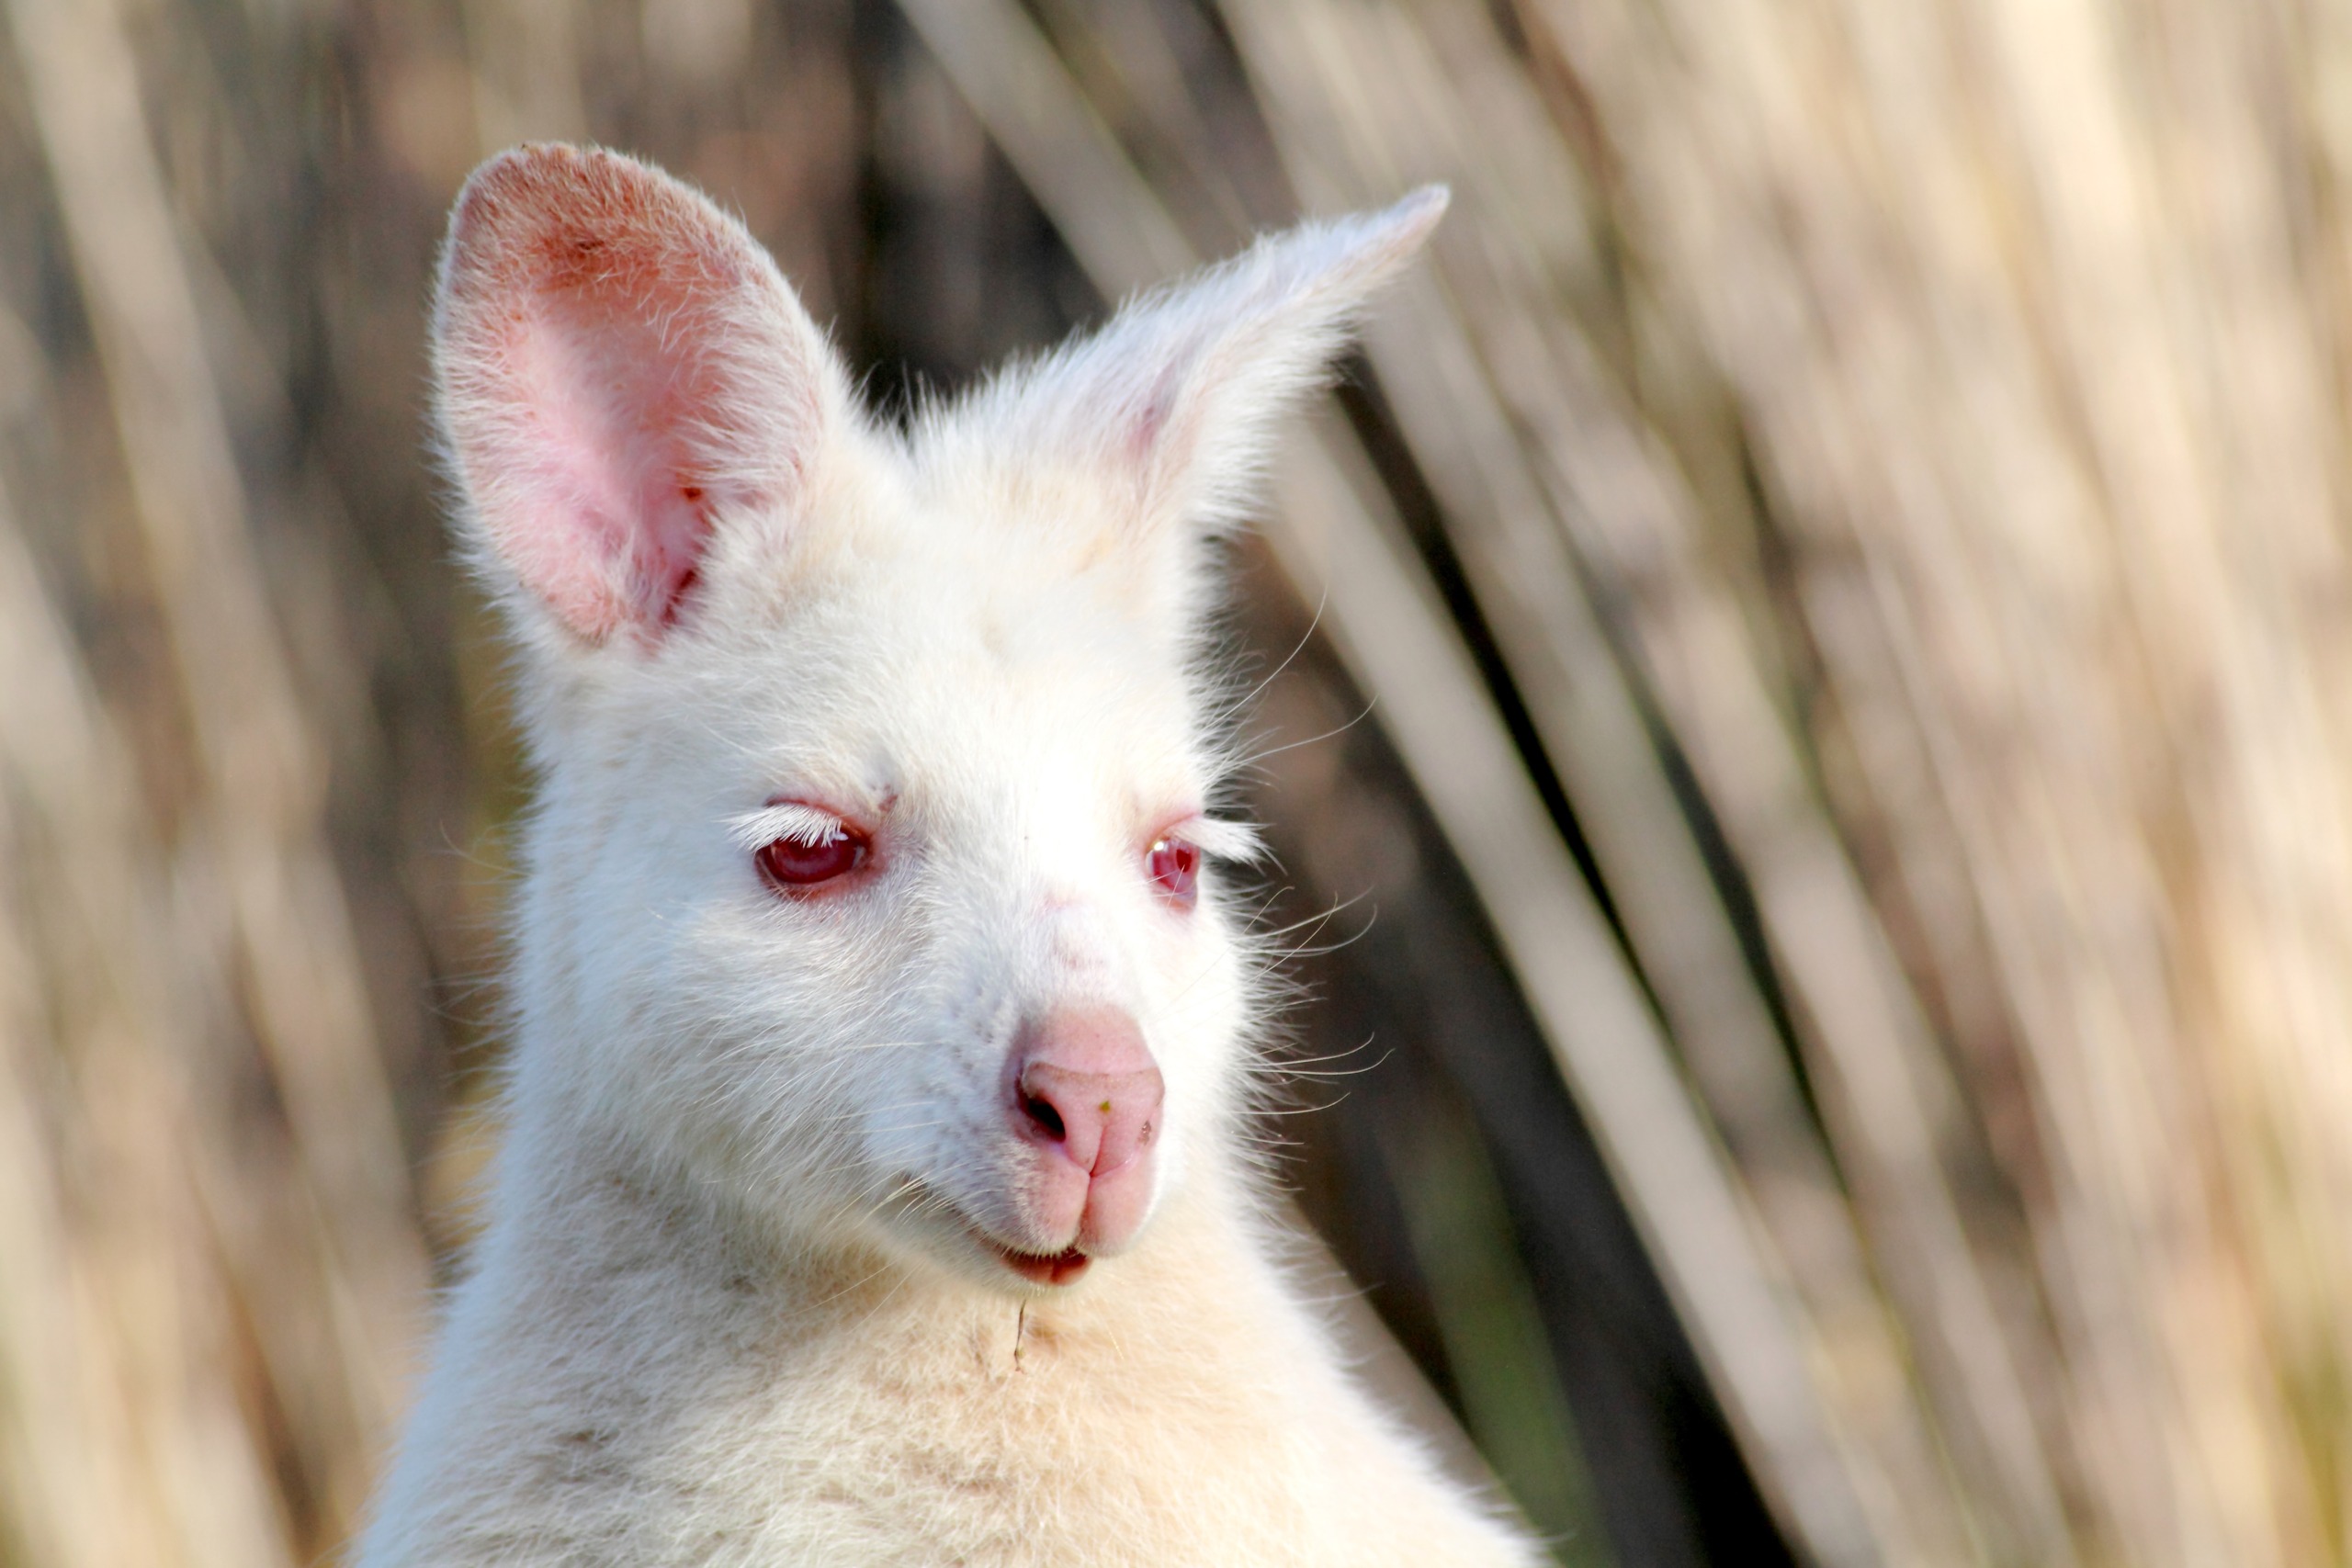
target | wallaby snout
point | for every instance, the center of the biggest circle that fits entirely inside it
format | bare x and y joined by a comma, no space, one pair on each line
1086,1098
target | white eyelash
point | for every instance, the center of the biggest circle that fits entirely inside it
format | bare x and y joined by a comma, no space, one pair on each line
1221,840
801,824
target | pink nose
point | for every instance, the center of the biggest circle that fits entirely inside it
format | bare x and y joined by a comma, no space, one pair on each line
1087,1097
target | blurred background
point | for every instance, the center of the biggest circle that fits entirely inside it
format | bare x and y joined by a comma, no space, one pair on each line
1807,716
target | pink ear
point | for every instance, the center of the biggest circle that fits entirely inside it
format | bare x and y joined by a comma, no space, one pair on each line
619,367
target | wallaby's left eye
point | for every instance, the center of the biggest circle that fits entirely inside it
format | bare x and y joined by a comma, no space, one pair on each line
1174,865
794,866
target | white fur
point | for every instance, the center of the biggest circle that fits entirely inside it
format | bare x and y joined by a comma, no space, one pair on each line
729,1308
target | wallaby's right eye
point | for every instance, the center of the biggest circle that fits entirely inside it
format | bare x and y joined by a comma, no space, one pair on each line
800,847
794,865
1174,864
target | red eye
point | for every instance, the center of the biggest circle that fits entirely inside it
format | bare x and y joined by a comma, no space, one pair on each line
1175,866
793,866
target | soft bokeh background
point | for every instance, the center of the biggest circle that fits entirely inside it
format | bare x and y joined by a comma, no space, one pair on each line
1807,716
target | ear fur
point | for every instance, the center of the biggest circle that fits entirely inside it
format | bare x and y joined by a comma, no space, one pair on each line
619,369
1173,402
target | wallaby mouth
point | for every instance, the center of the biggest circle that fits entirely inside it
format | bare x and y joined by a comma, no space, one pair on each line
1066,1267
1062,1269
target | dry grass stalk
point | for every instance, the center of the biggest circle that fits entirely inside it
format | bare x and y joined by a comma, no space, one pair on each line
2032,313
122,1440
124,1432
329,1272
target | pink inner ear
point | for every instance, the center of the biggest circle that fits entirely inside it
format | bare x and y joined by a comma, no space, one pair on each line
613,510
619,369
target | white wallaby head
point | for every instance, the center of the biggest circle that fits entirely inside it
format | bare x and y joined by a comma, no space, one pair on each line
872,885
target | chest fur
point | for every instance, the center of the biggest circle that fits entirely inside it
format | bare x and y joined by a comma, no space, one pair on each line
997,1442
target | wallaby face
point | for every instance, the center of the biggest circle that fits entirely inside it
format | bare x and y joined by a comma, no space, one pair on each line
873,888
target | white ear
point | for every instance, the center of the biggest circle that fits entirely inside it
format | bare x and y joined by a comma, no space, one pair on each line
1174,401
619,369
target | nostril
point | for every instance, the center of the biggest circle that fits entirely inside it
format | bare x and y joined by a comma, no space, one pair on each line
1048,1120
1084,1087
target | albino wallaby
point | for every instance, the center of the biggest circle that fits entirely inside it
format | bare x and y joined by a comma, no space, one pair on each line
877,1189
